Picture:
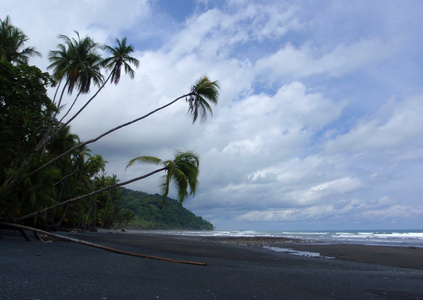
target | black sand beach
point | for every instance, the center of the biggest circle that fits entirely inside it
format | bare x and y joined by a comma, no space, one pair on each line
63,270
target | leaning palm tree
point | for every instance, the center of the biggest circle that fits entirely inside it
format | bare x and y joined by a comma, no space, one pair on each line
182,170
12,40
78,62
120,58
203,90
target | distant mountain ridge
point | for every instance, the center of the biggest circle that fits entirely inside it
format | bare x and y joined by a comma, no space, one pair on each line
149,214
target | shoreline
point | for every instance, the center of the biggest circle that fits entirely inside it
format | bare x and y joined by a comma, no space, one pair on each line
407,257
64,270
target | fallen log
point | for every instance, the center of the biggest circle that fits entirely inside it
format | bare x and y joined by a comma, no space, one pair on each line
69,239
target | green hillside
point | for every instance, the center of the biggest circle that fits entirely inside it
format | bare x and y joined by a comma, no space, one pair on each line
149,214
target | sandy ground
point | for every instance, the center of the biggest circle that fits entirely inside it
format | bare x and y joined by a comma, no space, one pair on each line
63,270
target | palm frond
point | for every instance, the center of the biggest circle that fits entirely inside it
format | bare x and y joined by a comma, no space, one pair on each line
144,159
180,181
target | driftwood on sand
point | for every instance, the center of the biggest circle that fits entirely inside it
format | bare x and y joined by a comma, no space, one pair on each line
69,239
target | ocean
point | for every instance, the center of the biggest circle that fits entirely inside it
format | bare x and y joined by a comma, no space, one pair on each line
399,238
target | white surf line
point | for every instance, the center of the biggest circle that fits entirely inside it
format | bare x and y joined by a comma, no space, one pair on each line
299,253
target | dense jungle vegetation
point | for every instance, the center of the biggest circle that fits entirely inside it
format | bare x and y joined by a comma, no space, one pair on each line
148,212
49,177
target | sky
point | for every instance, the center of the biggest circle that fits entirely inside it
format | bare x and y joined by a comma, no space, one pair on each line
319,124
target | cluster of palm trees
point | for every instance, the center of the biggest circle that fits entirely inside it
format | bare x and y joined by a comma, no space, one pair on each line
74,175
59,182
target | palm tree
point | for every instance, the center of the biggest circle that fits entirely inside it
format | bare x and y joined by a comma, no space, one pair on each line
110,181
200,92
183,171
203,90
120,57
76,60
96,164
12,40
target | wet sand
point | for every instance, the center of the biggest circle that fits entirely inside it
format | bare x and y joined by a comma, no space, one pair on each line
408,257
63,270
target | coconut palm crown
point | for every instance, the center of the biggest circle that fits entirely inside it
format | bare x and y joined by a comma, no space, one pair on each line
120,57
77,60
183,171
203,91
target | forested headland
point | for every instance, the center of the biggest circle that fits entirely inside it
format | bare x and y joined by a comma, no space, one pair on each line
49,177
148,213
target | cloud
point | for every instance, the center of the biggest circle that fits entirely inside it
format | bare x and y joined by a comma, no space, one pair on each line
308,60
382,209
101,20
218,32
395,135
318,120
326,191
395,212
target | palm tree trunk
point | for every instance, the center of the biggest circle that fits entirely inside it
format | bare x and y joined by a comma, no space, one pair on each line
62,93
77,113
58,200
73,103
69,239
104,134
94,204
105,208
57,90
63,216
95,212
13,182
46,137
88,102
87,218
